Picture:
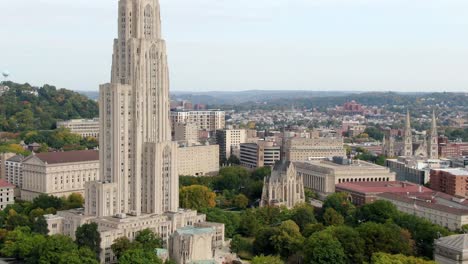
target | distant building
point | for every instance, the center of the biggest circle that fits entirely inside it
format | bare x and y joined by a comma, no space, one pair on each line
14,170
193,245
303,149
3,159
452,149
198,160
450,181
229,141
210,120
3,89
459,162
451,249
83,127
260,154
7,194
361,193
58,173
439,208
415,170
185,132
323,175
284,187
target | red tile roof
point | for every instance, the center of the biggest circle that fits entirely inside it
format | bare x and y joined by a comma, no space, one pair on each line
4,184
382,187
69,156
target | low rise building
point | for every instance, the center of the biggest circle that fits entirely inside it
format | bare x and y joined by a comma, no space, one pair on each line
361,193
451,181
284,187
439,208
323,175
201,160
414,169
192,245
58,173
451,249
303,149
83,127
7,194
260,154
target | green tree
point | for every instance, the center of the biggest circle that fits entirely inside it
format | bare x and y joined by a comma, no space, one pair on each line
303,214
40,225
353,245
54,249
139,256
263,243
197,197
82,255
288,239
45,201
266,260
379,211
14,220
74,200
87,235
384,258
339,201
260,173
332,218
240,201
323,248
121,245
148,239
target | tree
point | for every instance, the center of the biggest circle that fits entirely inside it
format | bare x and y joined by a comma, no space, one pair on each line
231,220
74,200
45,201
121,245
148,239
260,173
54,248
40,226
233,160
323,248
266,260
303,214
15,220
87,235
139,256
197,197
379,211
249,223
263,243
384,258
339,201
288,239
332,218
353,245
240,201
83,255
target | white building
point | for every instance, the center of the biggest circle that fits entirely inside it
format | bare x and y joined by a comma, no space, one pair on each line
192,245
83,127
138,186
302,149
185,132
260,154
210,120
451,249
198,160
14,170
58,173
229,141
7,194
3,159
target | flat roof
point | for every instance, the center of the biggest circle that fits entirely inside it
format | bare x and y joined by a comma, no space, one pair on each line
382,187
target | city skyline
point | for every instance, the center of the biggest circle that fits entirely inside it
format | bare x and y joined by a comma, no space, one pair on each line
221,45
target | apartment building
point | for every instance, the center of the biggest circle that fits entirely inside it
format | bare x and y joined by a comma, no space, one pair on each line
453,181
3,159
198,160
14,170
210,120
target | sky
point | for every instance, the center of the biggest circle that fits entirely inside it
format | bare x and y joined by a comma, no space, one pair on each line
226,45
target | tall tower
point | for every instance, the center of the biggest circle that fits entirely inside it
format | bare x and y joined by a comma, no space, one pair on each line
408,149
138,172
433,147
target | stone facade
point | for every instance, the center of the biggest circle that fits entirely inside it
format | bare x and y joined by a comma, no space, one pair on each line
323,176
83,127
192,245
284,187
303,149
187,132
58,173
451,249
198,160
209,120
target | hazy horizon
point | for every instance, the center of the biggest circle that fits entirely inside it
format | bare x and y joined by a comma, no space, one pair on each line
221,45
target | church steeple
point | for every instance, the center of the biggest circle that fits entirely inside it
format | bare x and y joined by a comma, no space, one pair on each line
408,149
433,147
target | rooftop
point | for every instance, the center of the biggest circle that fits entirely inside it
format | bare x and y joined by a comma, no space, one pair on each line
5,184
191,230
68,156
383,187
455,171
456,242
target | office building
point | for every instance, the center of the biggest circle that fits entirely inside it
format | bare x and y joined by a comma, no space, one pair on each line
303,149
414,169
229,141
83,127
198,160
14,170
260,154
187,132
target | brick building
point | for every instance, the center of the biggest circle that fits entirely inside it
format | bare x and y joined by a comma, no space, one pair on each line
450,181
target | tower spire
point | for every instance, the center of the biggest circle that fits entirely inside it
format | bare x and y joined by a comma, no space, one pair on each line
408,150
434,139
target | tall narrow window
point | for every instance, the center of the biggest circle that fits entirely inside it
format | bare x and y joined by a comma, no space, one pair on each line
148,22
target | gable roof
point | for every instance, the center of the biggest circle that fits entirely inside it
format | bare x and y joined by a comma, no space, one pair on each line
68,156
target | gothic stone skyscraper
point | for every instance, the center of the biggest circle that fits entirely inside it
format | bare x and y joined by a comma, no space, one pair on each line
138,185
136,152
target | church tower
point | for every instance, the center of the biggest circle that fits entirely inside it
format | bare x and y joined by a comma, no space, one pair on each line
138,173
433,147
408,138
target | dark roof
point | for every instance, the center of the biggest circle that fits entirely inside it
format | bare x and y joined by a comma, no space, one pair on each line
68,156
281,165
